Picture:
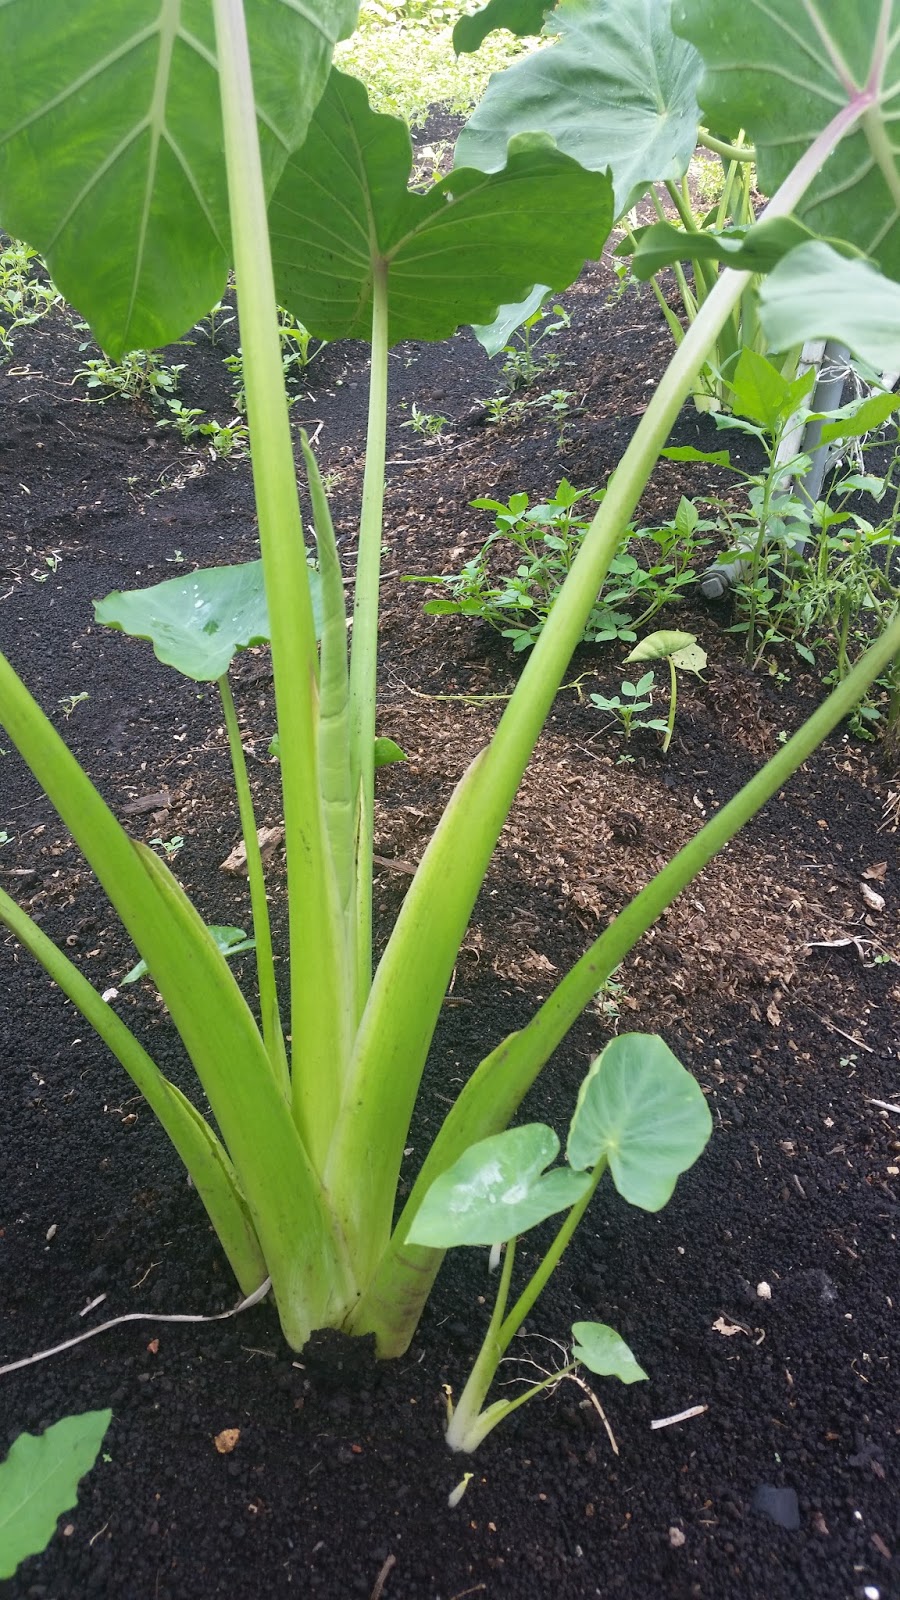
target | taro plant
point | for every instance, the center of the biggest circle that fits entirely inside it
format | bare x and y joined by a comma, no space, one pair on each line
641,1117
113,123
683,654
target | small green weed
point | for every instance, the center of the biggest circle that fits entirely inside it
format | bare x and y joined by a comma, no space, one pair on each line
68,702
26,294
524,359
141,375
627,707
428,424
544,540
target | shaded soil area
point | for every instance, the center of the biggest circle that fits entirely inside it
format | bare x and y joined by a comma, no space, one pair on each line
765,1294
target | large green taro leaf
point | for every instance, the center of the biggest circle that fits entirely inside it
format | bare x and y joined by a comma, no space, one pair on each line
497,1189
342,211
816,294
111,155
782,71
198,621
617,91
639,1107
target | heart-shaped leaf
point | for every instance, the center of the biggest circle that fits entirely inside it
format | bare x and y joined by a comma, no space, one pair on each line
816,294
691,658
39,1480
782,72
497,1189
617,91
111,160
342,212
198,621
639,1107
599,1348
231,942
659,646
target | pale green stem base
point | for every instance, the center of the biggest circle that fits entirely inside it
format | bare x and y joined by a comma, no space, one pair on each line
468,1424
265,966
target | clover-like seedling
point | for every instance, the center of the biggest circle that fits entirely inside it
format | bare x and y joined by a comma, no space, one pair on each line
627,706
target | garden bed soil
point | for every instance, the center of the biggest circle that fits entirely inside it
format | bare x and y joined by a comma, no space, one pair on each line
338,1482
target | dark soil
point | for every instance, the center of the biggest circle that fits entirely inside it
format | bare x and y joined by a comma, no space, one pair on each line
338,1483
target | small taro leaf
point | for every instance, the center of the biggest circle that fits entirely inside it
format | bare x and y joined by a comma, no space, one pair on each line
198,621
495,336
497,1189
860,419
342,212
617,91
231,942
39,1480
639,1107
195,622
781,72
756,249
692,658
111,160
522,17
599,1348
386,751
659,646
687,452
761,393
816,294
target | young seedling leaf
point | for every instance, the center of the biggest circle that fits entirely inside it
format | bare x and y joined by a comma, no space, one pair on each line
816,294
387,752
342,212
197,622
39,1480
497,1189
659,646
760,392
231,942
782,72
860,420
639,1107
111,160
495,336
599,1348
617,91
522,17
